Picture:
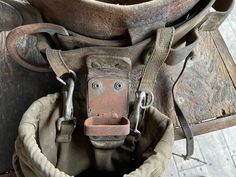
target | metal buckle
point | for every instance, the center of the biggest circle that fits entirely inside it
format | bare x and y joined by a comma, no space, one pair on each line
68,109
141,103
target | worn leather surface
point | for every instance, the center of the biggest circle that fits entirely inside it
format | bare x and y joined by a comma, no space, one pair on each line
112,19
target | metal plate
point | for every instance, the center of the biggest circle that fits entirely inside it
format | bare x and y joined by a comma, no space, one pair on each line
108,95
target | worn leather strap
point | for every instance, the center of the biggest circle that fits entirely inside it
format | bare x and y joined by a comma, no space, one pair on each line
164,39
61,61
65,133
213,20
57,62
203,18
182,120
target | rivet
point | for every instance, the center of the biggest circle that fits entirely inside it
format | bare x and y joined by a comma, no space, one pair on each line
96,85
118,85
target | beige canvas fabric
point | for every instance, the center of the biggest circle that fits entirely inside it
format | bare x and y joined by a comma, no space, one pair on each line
38,153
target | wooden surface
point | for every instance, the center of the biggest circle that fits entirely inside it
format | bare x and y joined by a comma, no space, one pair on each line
215,150
206,90
208,126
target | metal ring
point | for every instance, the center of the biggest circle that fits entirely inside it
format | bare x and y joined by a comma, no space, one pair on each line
148,105
70,72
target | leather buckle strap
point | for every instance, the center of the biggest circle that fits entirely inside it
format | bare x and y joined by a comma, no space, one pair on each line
182,120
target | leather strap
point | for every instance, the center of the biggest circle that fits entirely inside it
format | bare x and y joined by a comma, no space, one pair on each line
204,19
213,20
65,134
61,61
182,120
57,62
164,39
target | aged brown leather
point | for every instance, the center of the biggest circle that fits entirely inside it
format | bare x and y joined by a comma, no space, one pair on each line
126,31
110,19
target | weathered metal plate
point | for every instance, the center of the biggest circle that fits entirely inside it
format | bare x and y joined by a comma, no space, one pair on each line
108,95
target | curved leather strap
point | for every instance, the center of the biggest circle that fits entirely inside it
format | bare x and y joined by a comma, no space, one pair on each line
161,50
202,19
18,32
75,59
182,120
213,20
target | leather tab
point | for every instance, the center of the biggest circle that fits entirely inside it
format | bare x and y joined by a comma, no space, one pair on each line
65,134
213,20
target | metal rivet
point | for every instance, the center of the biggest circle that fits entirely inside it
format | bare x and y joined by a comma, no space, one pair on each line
96,85
118,85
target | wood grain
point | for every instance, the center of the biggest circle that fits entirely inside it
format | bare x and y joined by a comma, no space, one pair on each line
205,89
210,126
225,56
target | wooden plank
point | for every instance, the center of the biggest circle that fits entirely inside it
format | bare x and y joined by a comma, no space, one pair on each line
229,36
216,154
206,127
225,55
205,89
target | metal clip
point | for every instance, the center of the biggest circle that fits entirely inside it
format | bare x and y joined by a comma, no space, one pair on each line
68,104
139,105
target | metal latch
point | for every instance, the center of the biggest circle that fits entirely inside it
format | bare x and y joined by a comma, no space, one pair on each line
68,110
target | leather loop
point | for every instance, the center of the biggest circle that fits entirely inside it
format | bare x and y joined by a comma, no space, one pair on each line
65,134
57,62
178,54
213,20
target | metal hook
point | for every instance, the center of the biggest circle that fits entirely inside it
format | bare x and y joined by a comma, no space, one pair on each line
68,109
70,72
141,96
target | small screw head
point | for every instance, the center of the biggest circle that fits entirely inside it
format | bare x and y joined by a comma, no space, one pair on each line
96,85
118,85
